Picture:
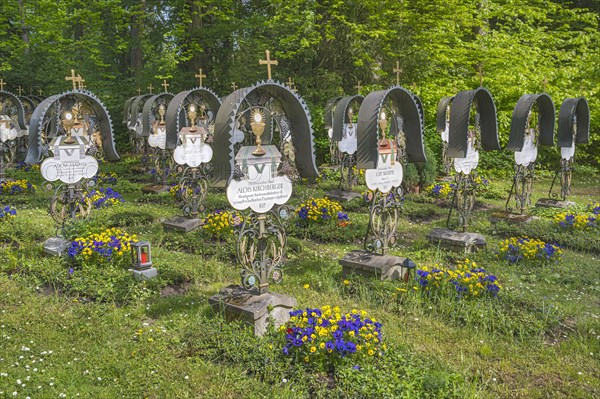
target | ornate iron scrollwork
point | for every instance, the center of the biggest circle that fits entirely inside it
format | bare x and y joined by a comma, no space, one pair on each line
69,201
194,187
447,161
163,164
261,242
564,177
383,220
520,191
348,177
463,200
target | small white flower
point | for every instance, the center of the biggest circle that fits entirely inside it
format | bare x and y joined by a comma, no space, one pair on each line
187,377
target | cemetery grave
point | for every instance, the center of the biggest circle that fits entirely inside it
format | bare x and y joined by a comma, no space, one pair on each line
404,237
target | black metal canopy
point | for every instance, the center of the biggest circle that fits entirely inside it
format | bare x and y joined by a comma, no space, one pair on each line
459,121
368,125
569,107
19,107
175,117
440,118
546,118
293,106
46,113
329,109
340,115
127,109
137,106
147,113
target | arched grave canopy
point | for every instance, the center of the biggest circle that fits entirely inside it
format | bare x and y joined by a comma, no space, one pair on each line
18,104
368,126
340,115
329,109
518,124
48,107
293,106
578,106
127,108
147,116
175,116
440,118
459,121
137,106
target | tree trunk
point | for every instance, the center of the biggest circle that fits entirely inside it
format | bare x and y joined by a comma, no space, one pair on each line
137,35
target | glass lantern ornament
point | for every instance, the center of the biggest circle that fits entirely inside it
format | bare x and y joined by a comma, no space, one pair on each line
140,255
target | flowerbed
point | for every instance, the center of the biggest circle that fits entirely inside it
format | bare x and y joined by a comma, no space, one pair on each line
104,197
220,224
15,187
321,210
109,246
576,220
516,249
326,337
440,190
7,213
465,281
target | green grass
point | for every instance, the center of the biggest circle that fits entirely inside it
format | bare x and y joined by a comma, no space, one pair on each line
105,335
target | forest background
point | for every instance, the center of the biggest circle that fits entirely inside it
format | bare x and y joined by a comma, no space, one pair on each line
325,46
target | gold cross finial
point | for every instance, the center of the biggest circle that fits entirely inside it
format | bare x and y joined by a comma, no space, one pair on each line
545,84
2,83
150,88
139,91
72,78
398,71
199,75
20,90
268,63
165,85
40,92
290,84
233,86
358,87
480,73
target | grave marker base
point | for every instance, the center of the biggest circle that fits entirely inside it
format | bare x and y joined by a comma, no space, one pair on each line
456,241
182,223
511,218
384,267
56,246
238,303
141,275
550,203
342,196
155,189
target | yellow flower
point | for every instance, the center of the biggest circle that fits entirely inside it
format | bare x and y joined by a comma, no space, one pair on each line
346,282
306,286
313,349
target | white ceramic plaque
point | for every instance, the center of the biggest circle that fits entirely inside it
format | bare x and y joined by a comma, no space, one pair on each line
330,133
387,175
6,131
193,151
158,139
529,152
348,143
446,133
467,164
69,171
260,191
568,152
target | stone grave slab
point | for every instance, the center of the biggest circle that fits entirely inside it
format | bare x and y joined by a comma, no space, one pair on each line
56,246
342,196
239,304
182,223
384,267
551,203
511,218
155,189
465,242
